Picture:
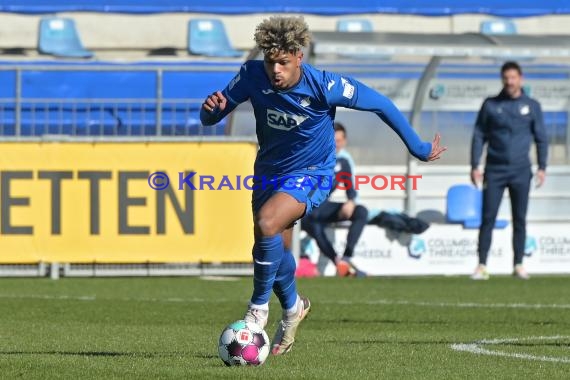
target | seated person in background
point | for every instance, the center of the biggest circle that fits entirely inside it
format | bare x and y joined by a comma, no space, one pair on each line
331,212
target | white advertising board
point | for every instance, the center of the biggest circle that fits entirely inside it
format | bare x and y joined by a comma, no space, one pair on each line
452,250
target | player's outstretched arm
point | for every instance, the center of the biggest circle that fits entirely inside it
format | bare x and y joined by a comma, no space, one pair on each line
366,99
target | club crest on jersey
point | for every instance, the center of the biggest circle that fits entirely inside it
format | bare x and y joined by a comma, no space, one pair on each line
284,121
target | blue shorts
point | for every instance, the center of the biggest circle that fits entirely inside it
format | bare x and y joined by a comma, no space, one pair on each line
310,189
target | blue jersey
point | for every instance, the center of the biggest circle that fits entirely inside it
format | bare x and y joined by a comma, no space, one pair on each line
295,127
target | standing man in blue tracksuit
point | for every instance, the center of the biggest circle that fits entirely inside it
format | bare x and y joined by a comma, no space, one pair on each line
507,123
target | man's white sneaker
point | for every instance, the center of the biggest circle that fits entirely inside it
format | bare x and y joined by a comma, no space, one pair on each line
520,273
480,273
285,334
257,316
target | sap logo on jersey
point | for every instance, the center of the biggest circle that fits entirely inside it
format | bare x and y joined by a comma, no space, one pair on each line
284,121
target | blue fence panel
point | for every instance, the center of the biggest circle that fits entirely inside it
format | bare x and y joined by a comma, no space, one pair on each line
7,84
88,84
194,84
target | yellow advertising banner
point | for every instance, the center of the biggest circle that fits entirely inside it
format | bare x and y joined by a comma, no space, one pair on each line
127,202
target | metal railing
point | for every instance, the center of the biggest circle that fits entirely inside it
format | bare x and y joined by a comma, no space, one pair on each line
66,114
102,117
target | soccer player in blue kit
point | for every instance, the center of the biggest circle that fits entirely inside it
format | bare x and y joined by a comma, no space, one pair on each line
294,106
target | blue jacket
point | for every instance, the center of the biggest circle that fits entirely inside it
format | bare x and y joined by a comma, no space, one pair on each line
508,126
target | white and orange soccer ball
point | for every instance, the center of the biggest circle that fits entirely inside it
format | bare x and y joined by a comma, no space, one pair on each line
243,343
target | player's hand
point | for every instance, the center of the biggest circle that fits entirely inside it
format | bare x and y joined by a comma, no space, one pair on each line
216,101
476,177
346,210
436,150
539,178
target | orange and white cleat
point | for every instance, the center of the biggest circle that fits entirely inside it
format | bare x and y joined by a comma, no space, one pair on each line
287,328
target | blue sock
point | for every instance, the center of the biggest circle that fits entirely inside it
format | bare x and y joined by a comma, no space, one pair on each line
267,255
285,286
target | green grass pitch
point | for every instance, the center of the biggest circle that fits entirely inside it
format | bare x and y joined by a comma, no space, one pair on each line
373,328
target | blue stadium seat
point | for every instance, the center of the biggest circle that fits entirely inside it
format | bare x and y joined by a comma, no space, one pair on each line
7,120
193,127
176,120
59,37
208,37
354,25
105,119
179,119
501,27
464,206
135,119
498,27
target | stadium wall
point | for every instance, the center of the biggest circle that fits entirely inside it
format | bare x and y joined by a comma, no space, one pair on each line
132,32
143,32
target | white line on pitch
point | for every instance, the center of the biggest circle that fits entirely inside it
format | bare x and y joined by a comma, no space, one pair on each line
335,302
457,304
47,297
476,348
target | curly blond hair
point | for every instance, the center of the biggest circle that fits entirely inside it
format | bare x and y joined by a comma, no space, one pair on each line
282,34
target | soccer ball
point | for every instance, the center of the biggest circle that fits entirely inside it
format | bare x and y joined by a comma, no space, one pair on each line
243,343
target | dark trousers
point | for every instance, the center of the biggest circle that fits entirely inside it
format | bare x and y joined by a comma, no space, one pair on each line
316,222
494,184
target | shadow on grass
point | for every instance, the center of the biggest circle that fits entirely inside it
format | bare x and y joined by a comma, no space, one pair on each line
391,321
535,344
113,354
